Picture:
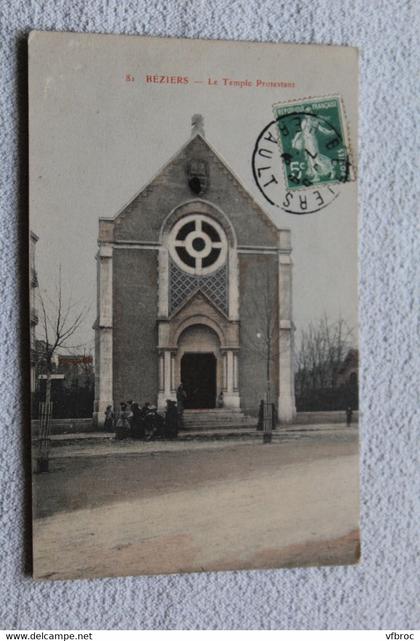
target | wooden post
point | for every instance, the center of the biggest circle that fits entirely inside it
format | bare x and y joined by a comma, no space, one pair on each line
45,415
268,423
45,412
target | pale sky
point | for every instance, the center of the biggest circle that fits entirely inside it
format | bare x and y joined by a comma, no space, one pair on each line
96,139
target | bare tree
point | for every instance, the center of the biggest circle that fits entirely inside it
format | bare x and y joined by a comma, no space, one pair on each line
262,337
58,325
86,366
323,347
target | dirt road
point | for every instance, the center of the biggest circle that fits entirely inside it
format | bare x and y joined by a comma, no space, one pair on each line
240,505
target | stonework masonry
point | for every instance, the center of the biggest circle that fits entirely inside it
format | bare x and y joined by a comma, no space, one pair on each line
140,342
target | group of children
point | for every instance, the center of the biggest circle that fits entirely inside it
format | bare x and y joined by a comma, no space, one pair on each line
143,423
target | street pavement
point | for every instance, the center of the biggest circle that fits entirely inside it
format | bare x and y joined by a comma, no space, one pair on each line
104,443
126,507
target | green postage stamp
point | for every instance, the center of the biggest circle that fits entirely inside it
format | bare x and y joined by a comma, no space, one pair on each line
314,142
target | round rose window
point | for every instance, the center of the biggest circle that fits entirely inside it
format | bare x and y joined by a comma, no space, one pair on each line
198,244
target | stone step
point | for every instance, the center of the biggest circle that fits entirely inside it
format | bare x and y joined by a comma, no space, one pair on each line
213,413
208,427
221,422
219,419
213,410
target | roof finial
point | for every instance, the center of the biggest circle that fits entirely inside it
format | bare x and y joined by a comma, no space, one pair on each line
197,125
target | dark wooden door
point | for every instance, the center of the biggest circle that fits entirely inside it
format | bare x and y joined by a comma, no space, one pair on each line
198,374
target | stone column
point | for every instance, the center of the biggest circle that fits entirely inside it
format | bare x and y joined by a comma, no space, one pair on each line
231,395
172,383
161,373
224,365
163,284
230,363
235,372
166,384
103,335
233,289
286,401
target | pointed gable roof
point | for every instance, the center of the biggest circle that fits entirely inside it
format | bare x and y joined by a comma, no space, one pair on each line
198,137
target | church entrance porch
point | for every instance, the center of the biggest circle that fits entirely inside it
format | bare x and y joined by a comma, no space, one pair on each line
198,374
198,356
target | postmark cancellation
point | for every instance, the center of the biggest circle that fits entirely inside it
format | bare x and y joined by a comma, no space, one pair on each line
303,156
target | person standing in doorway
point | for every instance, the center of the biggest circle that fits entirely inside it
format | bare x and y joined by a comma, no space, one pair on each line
171,419
109,419
137,422
130,413
181,397
122,428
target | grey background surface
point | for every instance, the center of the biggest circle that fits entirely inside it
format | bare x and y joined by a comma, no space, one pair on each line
380,591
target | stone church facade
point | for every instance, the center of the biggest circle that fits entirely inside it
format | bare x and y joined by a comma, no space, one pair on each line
183,272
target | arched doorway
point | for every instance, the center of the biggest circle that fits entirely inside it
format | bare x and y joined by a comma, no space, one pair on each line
199,366
199,376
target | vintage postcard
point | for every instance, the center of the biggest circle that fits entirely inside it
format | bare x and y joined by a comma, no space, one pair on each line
193,286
